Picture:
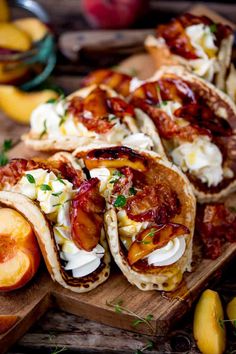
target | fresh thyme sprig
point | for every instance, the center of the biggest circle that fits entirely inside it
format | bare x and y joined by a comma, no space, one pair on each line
222,322
119,308
6,146
148,346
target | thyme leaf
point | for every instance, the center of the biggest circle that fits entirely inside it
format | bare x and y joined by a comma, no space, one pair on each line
30,178
6,146
45,187
213,28
120,201
119,308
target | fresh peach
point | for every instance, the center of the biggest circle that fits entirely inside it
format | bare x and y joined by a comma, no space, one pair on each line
18,105
4,11
33,27
231,311
13,38
208,325
112,14
19,251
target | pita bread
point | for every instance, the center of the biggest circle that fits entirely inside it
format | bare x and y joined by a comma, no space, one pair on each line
162,278
45,236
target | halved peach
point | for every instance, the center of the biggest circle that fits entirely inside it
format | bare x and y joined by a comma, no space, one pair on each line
19,251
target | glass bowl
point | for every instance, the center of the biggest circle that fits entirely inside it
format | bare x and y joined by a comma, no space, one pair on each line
30,68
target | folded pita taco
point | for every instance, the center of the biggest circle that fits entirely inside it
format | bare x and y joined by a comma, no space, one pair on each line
196,124
66,213
196,42
149,217
93,115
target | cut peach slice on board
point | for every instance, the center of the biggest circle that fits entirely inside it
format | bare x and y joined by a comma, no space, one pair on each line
19,251
208,326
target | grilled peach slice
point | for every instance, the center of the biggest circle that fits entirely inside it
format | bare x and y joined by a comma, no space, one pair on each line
19,251
208,326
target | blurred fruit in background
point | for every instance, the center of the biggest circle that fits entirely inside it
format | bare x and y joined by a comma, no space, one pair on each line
4,11
18,104
27,53
27,57
231,311
208,324
112,13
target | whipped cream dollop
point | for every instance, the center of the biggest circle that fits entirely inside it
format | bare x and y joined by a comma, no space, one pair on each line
203,40
54,196
168,254
52,120
201,158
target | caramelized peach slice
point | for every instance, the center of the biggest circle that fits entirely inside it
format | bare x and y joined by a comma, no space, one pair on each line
115,157
153,238
19,252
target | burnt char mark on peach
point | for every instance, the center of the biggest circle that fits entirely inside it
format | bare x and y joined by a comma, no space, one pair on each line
116,153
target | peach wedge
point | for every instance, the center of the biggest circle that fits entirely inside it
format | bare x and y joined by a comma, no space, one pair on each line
208,326
18,105
19,251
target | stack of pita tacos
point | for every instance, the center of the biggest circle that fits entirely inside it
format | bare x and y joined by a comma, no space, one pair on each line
139,156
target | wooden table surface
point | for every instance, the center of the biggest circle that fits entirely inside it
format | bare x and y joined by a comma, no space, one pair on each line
58,331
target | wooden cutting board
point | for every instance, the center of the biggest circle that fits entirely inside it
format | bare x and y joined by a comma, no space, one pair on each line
31,302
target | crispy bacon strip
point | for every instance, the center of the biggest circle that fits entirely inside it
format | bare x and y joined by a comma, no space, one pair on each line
156,203
115,80
92,111
115,157
119,107
153,238
202,115
96,111
14,170
177,40
86,214
152,97
215,224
